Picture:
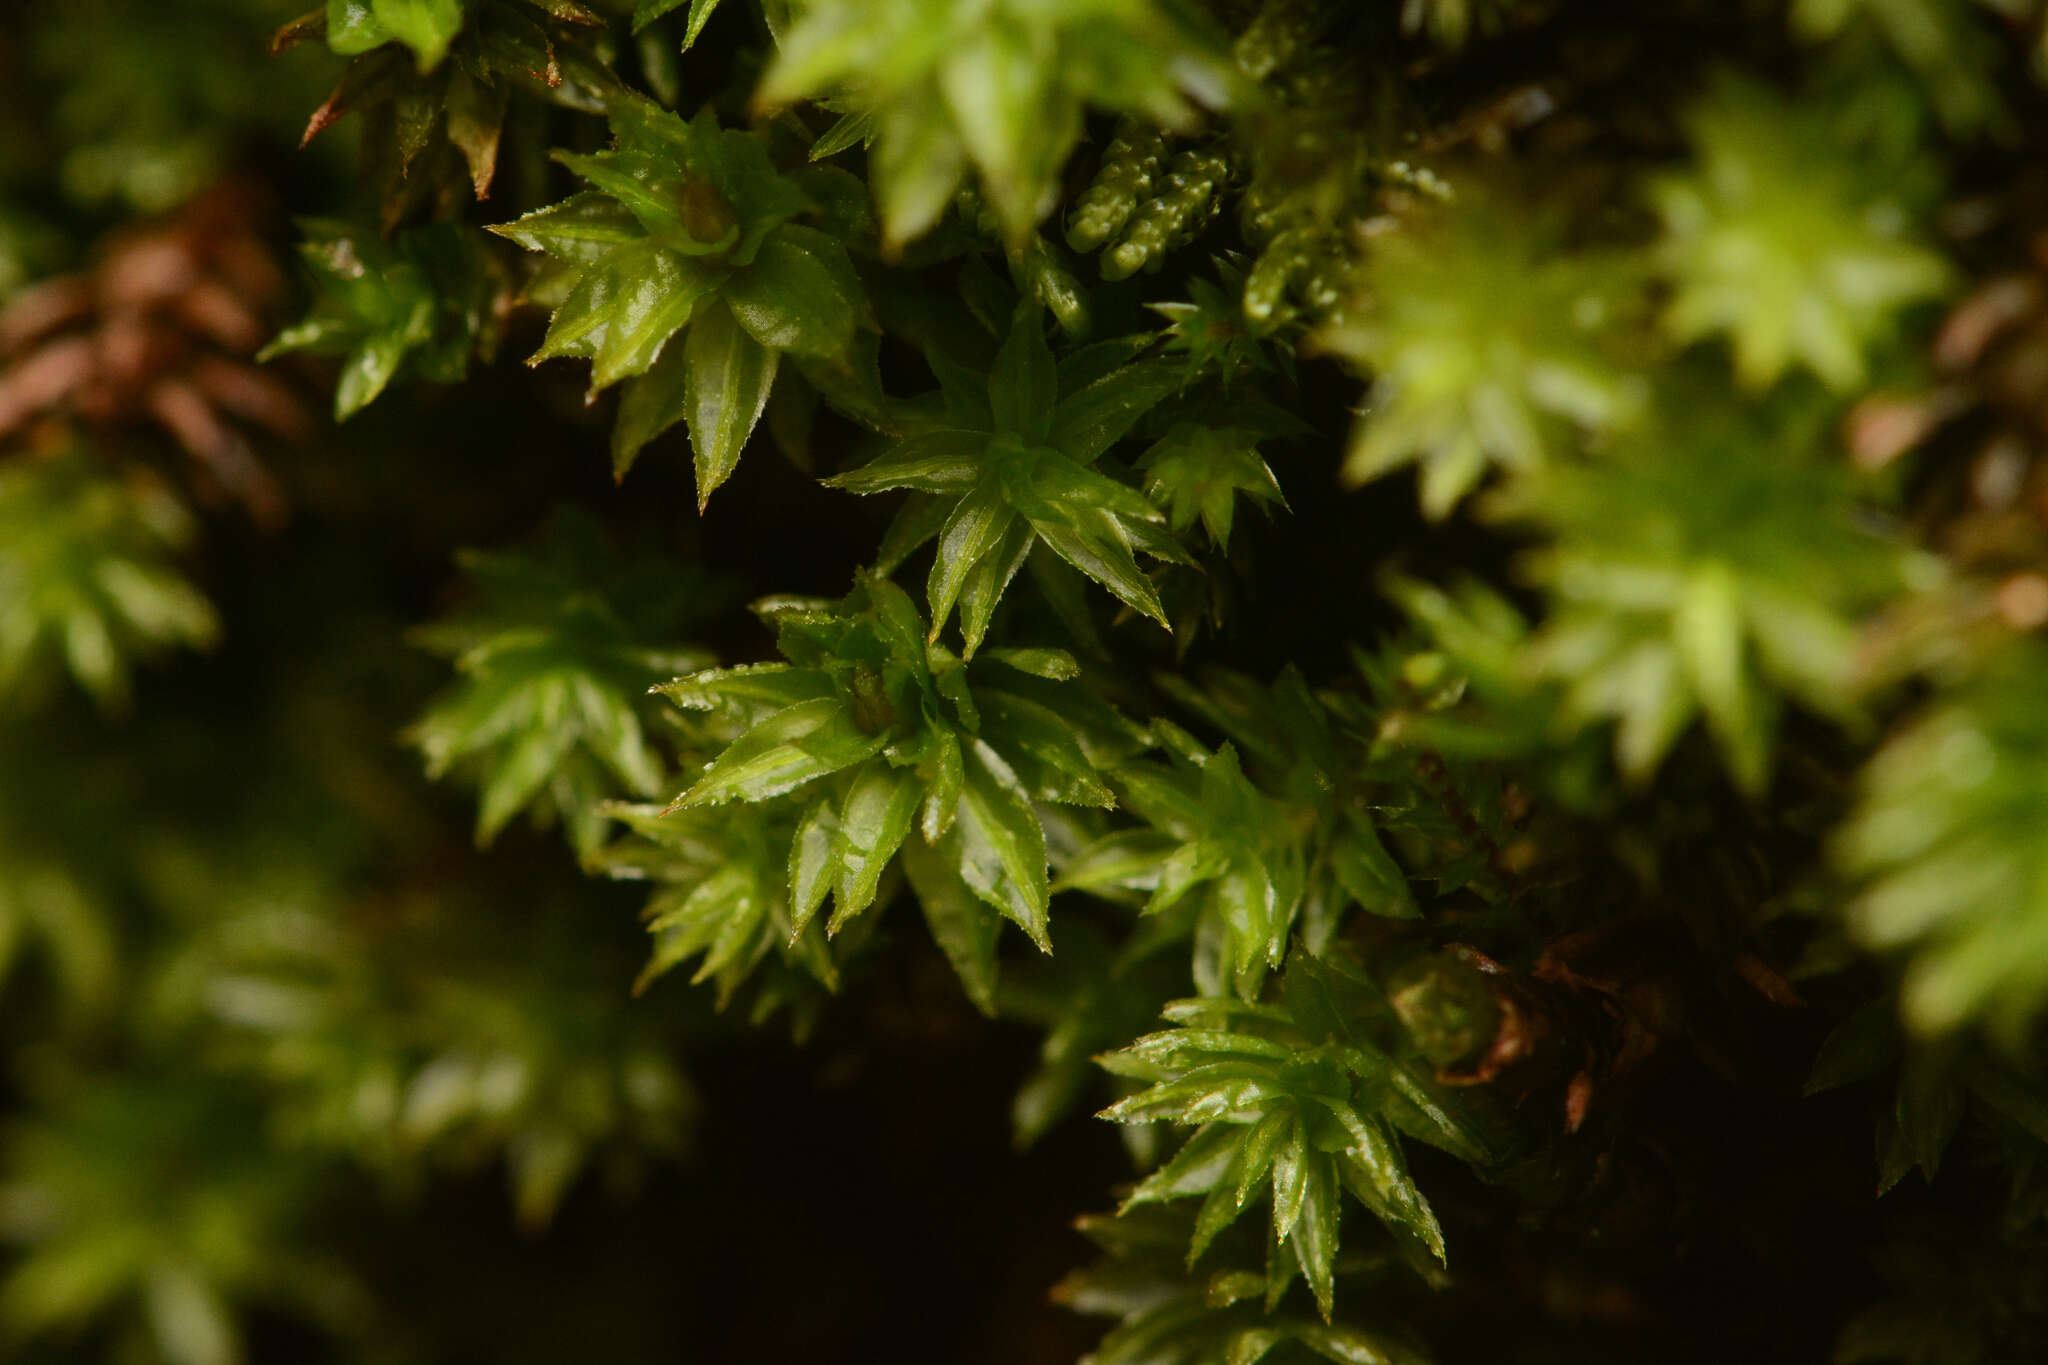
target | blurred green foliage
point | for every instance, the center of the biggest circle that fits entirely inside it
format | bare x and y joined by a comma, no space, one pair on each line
1445,888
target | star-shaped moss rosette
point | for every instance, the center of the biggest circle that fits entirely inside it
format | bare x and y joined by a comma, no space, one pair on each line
421,304
89,576
1795,236
1001,88
433,81
720,882
1210,329
1294,1100
687,272
149,1203
1225,1310
1712,568
1486,346
891,744
1942,846
1006,467
1198,471
554,662
1218,862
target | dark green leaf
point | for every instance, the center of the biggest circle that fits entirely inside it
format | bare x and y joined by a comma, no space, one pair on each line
580,228
726,380
1090,421
649,405
782,753
1861,1046
624,309
960,924
943,461
1024,383
973,531
873,822
1000,844
800,294
425,26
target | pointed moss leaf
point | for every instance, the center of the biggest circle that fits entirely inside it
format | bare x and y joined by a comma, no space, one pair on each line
1354,1346
1048,484
1376,1171
1128,860
782,753
1708,631
514,780
1001,846
1084,365
700,14
1418,1110
915,166
1202,1163
1163,1054
943,461
580,228
1369,874
1314,1232
1025,382
850,131
1093,542
995,87
1237,1097
753,689
647,11
943,768
1928,1110
475,115
897,621
369,369
800,294
1023,727
874,819
652,188
813,865
1220,1208
726,379
1861,1046
1291,1160
1090,421
1261,1146
989,579
960,924
1055,665
623,310
650,404
963,390
425,26
921,517
973,531
1085,518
